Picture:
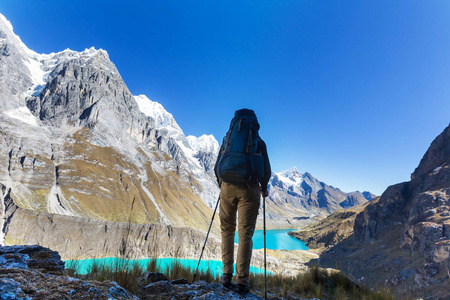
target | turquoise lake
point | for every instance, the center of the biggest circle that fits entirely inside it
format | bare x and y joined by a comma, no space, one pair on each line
276,239
84,266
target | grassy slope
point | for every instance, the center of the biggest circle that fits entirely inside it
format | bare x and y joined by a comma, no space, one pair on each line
101,183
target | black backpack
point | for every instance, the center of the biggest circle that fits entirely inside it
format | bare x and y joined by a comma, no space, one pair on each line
240,161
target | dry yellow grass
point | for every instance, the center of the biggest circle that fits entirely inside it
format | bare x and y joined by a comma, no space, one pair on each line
98,182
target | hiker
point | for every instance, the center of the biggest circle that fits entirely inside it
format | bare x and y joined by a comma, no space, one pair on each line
243,171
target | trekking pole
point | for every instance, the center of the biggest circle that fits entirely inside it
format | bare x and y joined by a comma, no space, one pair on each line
201,254
265,268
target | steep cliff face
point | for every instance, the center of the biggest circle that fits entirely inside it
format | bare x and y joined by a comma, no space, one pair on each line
421,205
403,238
428,218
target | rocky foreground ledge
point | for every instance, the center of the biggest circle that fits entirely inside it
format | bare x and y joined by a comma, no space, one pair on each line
35,272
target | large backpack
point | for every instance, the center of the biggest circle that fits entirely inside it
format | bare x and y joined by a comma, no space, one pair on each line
241,161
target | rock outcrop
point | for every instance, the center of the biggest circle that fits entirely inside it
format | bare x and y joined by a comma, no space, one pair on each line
402,239
334,229
34,272
165,289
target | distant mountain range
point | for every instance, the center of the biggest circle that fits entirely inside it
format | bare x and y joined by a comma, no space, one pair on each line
75,142
301,197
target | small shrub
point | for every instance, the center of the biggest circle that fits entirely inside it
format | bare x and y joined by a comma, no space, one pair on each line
152,265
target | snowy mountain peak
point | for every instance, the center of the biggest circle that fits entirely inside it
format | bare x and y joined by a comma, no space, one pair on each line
68,54
5,22
291,177
204,143
308,175
292,170
163,119
7,33
292,174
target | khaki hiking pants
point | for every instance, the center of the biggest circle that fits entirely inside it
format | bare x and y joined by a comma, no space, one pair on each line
244,201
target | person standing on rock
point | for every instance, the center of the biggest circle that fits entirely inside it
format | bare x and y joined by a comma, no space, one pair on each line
243,172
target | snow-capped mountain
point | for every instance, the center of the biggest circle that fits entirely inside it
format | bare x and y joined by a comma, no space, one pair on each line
197,154
76,142
289,178
295,197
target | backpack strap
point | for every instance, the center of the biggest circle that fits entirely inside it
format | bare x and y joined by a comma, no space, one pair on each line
228,140
249,140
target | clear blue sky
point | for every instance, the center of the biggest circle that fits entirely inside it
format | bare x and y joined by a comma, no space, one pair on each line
353,92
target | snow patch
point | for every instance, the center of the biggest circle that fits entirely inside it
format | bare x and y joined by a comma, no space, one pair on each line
22,114
6,22
437,170
36,71
104,189
158,169
204,143
57,203
163,119
163,217
3,211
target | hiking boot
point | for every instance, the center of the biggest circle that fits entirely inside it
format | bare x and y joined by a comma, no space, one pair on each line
243,289
226,280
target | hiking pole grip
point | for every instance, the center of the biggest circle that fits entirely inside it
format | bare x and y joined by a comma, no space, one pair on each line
265,267
204,244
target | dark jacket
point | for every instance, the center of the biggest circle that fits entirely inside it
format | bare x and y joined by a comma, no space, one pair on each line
267,170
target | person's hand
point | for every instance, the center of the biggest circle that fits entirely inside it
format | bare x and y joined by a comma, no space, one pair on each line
265,193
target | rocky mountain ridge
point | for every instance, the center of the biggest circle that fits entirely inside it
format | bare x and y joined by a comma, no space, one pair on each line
303,198
402,238
75,142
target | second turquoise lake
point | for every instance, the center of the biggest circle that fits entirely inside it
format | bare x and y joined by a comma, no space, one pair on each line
276,239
